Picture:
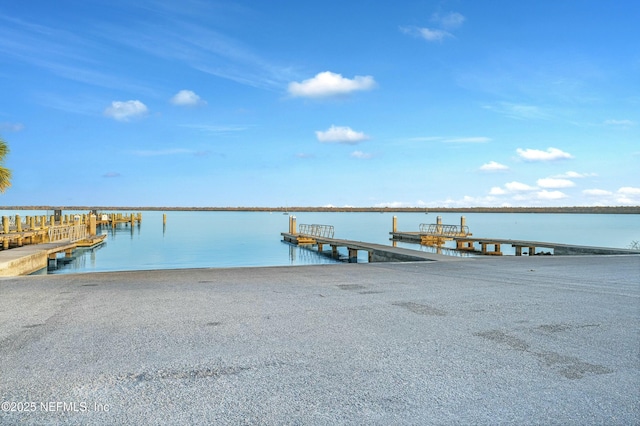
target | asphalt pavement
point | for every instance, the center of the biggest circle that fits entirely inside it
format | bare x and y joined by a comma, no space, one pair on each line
484,341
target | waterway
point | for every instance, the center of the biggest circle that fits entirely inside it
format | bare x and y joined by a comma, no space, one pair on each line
203,239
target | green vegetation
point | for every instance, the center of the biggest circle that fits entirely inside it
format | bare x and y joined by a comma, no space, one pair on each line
5,174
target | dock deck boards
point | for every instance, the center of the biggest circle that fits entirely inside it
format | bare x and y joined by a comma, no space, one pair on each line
558,248
27,259
380,250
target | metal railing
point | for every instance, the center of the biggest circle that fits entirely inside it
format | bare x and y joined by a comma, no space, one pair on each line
71,233
325,231
443,230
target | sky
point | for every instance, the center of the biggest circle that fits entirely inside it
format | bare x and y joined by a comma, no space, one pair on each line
403,103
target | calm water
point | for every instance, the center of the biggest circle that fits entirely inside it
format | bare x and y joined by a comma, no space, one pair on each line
235,239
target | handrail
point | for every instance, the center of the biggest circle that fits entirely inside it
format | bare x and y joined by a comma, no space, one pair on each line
72,233
444,230
315,230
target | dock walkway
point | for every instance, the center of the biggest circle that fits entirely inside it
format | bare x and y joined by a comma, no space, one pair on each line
492,246
376,252
558,248
28,259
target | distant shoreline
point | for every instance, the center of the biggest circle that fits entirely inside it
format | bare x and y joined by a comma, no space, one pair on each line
569,210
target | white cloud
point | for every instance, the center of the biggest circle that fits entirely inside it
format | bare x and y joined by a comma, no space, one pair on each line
397,204
625,195
326,84
341,134
361,155
555,183
449,21
573,175
596,192
519,187
428,34
433,35
493,166
628,195
551,154
629,190
551,195
126,110
496,190
187,98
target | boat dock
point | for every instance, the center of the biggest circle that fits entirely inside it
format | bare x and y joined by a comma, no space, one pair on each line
31,243
28,259
322,235
433,235
115,219
436,234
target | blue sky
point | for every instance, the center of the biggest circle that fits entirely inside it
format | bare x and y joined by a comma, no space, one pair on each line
342,103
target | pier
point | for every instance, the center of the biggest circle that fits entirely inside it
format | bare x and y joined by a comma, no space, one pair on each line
322,235
32,243
437,234
318,236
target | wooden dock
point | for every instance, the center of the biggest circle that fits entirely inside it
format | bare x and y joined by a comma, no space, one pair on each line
31,258
432,235
376,252
437,234
28,243
115,219
319,236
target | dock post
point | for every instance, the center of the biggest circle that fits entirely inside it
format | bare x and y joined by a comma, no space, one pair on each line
518,250
18,223
394,228
52,221
334,251
463,223
164,219
53,261
133,219
92,224
320,247
532,251
5,229
293,225
353,255
439,224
